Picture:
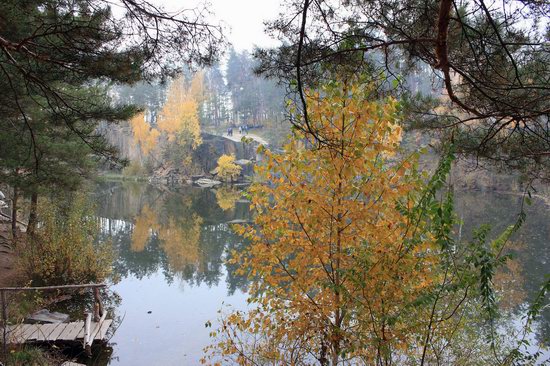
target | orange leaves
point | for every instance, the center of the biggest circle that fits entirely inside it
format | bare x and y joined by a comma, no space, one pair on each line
333,256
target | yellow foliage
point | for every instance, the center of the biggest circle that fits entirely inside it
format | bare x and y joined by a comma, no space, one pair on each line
227,169
179,115
179,238
150,141
144,136
178,126
335,261
140,128
63,250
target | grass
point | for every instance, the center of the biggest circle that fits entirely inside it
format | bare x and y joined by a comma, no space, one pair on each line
30,356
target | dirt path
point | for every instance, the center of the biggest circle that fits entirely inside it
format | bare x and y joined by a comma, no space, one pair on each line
236,136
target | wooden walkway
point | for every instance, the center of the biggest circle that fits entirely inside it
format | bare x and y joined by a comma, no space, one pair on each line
85,332
66,332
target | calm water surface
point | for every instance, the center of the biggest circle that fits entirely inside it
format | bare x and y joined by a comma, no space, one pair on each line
171,246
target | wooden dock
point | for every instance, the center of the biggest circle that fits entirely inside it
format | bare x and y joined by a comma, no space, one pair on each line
57,332
94,328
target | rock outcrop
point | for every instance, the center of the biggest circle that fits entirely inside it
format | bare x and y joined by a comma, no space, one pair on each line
206,183
205,159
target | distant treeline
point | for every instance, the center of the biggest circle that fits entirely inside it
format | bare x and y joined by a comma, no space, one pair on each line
233,95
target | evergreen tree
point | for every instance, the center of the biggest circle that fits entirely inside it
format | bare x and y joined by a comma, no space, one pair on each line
215,106
56,59
490,58
254,99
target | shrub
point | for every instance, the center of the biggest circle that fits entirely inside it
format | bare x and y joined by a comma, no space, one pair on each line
64,249
227,169
134,170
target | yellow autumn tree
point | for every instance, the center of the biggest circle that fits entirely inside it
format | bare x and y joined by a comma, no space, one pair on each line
227,169
140,129
144,136
344,266
179,118
150,141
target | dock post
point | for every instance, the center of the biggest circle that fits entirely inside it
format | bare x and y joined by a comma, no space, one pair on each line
98,305
87,334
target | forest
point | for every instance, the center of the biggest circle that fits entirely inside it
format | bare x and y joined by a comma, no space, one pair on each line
288,182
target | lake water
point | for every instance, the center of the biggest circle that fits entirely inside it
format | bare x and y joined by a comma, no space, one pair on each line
171,246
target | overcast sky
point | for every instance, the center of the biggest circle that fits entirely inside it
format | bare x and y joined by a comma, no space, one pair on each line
244,18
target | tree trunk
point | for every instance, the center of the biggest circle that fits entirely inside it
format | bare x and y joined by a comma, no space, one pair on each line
32,215
14,212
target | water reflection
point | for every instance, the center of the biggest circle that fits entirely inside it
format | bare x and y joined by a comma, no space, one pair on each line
172,244
171,248
520,280
183,233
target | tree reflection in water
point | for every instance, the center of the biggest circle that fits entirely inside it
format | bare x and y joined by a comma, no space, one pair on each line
183,232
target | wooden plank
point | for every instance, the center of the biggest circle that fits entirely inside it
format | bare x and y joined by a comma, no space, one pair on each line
15,334
45,330
39,332
71,331
82,333
29,331
51,329
22,333
58,331
103,329
70,328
